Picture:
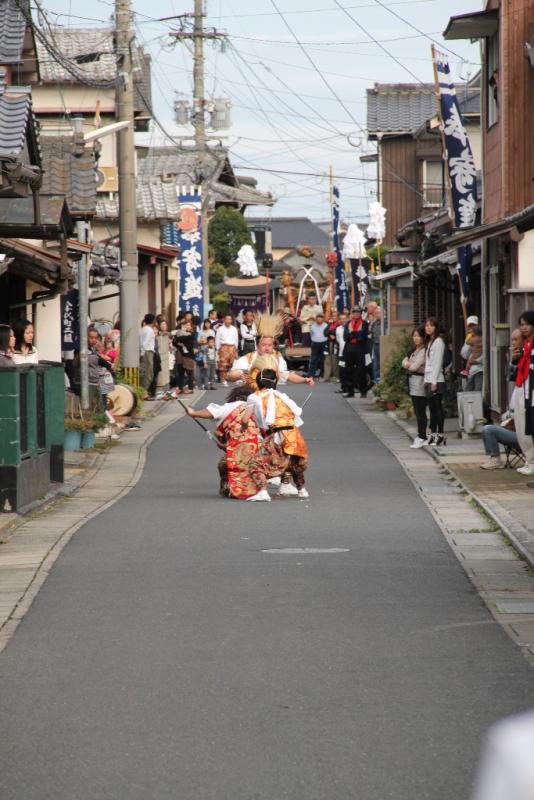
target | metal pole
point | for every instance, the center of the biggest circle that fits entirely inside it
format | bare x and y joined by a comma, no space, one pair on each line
83,313
129,290
199,104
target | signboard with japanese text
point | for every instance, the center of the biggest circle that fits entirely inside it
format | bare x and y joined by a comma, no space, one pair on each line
70,321
342,294
191,272
460,162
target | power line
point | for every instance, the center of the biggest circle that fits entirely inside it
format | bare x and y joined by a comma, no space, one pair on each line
377,42
415,28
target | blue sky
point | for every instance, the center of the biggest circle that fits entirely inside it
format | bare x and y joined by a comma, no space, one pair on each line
297,108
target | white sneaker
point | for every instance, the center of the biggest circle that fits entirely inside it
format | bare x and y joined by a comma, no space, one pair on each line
527,469
225,384
275,481
493,462
262,496
288,490
303,493
417,443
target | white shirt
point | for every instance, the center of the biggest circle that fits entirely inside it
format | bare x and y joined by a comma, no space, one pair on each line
507,768
226,335
243,364
147,339
220,412
248,336
26,358
340,330
434,361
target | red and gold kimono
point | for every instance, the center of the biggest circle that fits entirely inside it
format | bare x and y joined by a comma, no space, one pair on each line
285,446
245,460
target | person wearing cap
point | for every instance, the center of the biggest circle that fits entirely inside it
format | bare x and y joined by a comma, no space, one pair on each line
355,336
471,352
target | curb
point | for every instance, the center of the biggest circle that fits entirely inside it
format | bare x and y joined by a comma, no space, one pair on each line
22,605
515,535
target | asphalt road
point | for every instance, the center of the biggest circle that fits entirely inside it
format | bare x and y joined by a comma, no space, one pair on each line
169,656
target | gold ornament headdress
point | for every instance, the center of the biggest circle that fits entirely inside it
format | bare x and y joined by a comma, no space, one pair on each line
269,325
266,361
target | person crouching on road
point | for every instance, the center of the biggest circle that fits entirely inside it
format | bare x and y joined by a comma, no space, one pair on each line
243,468
279,419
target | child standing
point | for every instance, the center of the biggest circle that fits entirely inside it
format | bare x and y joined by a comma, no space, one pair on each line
210,362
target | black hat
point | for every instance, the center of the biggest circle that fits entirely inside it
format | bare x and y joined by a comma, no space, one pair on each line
357,308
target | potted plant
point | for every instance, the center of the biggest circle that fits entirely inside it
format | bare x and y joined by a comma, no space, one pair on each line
73,433
91,424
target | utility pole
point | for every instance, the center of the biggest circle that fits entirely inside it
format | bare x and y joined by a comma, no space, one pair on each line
198,34
200,137
129,290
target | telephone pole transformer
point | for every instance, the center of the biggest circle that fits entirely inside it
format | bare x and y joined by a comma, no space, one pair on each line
129,288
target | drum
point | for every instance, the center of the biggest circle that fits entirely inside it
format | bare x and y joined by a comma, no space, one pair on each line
122,400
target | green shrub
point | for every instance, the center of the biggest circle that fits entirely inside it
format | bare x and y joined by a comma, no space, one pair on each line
393,385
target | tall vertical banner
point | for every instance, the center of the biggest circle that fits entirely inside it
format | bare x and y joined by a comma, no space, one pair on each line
191,272
460,163
342,294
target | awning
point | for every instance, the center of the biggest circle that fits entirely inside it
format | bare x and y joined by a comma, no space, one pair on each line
32,263
477,25
523,220
392,274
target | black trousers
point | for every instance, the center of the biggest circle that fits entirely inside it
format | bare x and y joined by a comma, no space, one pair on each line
316,364
356,372
435,404
419,407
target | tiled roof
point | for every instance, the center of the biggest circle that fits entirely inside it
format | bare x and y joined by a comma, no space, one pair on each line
12,30
92,53
70,170
405,107
399,106
15,112
290,232
182,165
156,200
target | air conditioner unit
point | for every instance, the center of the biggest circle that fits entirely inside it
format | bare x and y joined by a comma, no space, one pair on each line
470,413
107,179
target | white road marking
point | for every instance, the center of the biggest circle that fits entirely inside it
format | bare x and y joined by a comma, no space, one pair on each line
306,550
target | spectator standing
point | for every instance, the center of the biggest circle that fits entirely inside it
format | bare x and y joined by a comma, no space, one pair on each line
226,343
205,331
185,352
356,332
319,339
147,348
98,367
375,329
307,315
25,351
474,358
248,333
330,371
211,362
340,346
435,380
523,395
110,350
6,344
414,363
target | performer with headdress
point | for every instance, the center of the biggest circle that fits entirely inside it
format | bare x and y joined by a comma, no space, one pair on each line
279,419
243,468
269,327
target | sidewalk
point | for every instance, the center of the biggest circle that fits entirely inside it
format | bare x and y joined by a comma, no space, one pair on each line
29,545
503,494
478,527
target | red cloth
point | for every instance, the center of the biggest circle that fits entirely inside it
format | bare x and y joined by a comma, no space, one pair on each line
355,326
524,364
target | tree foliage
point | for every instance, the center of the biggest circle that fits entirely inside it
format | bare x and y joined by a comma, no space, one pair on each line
227,233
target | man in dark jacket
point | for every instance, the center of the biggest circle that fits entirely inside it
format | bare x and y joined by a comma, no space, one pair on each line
355,336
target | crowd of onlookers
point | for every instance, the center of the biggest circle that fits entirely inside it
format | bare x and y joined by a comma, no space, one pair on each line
16,344
426,365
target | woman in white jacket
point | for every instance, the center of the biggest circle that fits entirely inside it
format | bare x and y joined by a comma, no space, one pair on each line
435,380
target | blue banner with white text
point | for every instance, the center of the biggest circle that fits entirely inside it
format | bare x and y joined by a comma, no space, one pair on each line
342,294
460,164
191,272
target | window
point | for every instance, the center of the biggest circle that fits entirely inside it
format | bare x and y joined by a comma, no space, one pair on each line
401,305
433,189
492,79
